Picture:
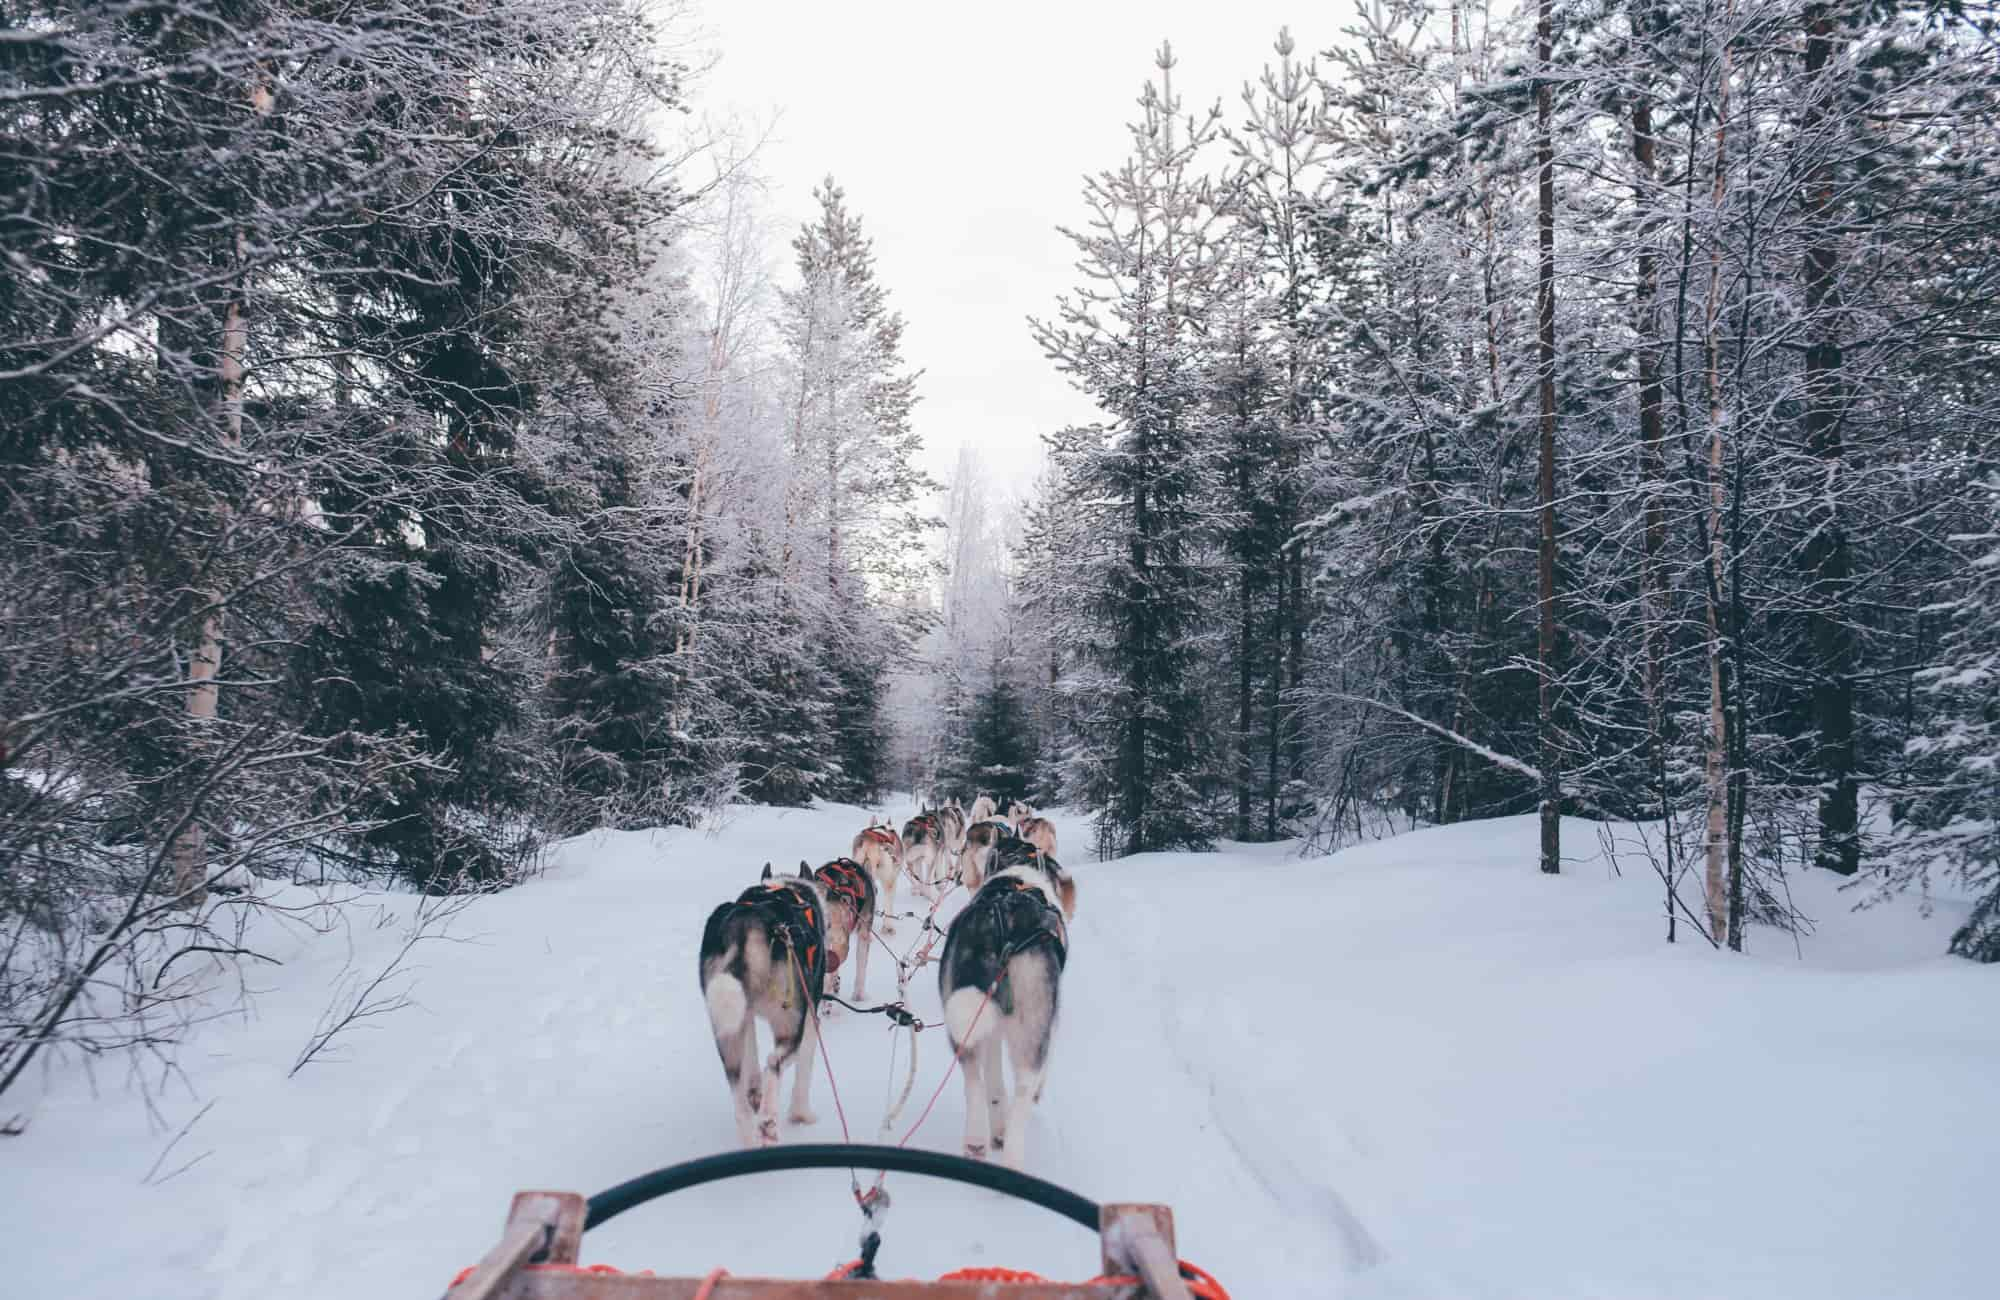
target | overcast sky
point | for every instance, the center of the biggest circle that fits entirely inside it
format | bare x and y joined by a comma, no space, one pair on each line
961,134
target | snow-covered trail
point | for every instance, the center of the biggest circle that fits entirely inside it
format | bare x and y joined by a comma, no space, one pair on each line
1414,1069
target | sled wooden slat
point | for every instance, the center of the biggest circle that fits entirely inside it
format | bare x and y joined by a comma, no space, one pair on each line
1140,1239
542,1228
536,1285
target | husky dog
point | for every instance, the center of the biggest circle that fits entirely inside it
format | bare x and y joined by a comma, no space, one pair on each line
982,808
763,956
849,891
1018,812
924,849
951,821
1038,831
880,850
982,842
1003,962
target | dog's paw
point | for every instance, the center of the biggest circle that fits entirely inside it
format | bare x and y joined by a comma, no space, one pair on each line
801,1115
975,1150
999,1141
767,1132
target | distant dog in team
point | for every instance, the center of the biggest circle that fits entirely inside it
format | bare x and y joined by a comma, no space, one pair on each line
924,849
982,808
982,840
849,891
1038,831
764,956
951,822
1018,812
1000,979
880,850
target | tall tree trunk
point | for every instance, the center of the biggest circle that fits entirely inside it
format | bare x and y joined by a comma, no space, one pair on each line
1826,554
1716,767
190,850
1652,459
1246,641
1545,703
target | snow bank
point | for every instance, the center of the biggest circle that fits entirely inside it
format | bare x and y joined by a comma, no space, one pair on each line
1417,1068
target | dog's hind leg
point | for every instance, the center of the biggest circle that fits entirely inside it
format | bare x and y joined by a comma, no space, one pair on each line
774,1072
996,1093
864,924
888,897
973,1067
739,1062
1026,1084
802,1065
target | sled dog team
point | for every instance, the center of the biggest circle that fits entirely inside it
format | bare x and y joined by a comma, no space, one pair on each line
778,948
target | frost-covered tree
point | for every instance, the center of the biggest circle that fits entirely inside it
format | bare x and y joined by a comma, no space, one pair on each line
1144,481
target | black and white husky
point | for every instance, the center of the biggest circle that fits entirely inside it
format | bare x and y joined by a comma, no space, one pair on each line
764,956
1002,968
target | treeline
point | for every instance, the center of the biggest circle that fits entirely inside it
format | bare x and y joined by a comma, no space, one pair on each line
403,461
1591,407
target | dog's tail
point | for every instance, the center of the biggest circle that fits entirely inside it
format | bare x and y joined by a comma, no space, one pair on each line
968,1019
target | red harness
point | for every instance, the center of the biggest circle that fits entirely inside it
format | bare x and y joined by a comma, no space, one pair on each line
881,834
846,879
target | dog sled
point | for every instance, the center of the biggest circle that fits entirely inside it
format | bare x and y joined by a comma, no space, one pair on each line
536,1258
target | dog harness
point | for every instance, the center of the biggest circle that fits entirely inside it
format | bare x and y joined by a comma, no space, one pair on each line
797,918
1048,924
881,834
845,879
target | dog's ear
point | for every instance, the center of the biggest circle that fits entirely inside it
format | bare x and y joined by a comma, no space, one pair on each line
767,872
805,868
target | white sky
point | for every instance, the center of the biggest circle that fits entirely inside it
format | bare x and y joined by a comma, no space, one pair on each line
962,133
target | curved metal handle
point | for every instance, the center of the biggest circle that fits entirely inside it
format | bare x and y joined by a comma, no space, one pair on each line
609,1204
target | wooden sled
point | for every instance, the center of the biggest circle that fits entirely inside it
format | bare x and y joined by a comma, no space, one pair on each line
536,1258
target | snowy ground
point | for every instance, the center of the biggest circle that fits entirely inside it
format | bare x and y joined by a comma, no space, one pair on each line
1414,1069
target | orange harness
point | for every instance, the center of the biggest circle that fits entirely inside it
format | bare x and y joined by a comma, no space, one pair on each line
799,902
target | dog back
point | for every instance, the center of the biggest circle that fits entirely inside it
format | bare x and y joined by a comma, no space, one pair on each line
848,883
786,914
1010,916
921,829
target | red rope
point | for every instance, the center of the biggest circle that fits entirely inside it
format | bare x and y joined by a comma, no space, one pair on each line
812,1014
707,1287
990,990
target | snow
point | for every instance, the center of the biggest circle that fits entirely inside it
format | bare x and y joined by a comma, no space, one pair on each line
1416,1068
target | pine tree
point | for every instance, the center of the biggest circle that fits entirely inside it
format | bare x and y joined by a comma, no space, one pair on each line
1146,482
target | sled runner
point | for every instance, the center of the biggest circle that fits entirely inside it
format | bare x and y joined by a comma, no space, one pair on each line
536,1258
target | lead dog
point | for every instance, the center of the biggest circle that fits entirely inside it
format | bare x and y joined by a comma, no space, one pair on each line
982,808
880,850
763,956
1000,978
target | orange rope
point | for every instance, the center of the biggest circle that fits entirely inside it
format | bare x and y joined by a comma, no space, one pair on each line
707,1287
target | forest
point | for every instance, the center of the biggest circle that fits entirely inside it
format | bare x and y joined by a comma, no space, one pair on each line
410,456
